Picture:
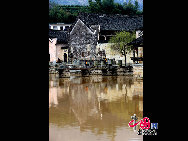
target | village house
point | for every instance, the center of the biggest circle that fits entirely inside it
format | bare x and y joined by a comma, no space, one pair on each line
137,55
91,32
58,45
137,49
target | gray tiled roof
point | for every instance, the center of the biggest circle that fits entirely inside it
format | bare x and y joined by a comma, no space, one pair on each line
62,36
113,22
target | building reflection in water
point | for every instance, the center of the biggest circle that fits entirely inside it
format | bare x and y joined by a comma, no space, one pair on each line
99,106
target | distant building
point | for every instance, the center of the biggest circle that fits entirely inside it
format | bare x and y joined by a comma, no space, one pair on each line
59,26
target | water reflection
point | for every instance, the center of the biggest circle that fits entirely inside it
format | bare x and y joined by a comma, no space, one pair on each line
94,108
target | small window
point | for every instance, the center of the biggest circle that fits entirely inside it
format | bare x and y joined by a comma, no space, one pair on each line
83,54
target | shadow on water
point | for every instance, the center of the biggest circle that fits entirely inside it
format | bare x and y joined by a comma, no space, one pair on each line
97,107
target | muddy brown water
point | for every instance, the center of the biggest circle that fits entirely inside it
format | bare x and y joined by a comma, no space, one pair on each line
94,108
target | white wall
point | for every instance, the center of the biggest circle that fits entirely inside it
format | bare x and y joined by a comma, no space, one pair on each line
58,27
137,33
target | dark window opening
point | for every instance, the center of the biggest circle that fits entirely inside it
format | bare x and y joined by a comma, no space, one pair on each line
65,57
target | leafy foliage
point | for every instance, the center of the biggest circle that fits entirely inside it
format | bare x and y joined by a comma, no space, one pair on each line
109,7
65,13
121,39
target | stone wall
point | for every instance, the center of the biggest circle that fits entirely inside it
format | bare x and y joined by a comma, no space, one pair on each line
138,70
83,40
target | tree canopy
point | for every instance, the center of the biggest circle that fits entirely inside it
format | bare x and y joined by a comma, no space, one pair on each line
109,7
121,39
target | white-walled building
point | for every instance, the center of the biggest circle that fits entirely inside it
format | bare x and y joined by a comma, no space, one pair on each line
59,26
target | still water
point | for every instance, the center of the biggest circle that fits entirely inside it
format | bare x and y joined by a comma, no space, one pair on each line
94,108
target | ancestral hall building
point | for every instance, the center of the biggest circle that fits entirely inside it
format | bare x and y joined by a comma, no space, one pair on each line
83,41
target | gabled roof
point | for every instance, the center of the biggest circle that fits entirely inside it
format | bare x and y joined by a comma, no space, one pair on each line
80,23
62,36
113,22
52,40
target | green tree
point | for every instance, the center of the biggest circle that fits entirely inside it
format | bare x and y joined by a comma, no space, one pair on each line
121,39
60,14
98,2
95,7
136,6
118,9
108,2
130,8
53,13
108,6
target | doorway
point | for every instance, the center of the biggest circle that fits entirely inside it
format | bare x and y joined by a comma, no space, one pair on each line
65,57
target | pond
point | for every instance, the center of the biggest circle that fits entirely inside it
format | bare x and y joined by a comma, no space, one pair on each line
94,108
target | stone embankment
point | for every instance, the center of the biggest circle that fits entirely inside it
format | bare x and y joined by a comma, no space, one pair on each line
53,70
138,71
